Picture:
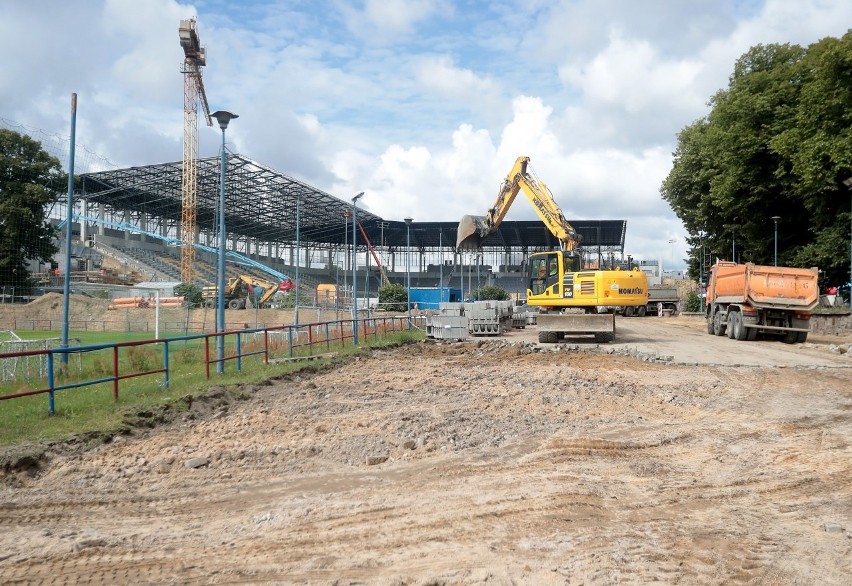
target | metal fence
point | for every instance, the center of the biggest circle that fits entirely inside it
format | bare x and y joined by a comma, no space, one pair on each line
144,357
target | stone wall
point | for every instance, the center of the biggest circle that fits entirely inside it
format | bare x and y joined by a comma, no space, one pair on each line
832,324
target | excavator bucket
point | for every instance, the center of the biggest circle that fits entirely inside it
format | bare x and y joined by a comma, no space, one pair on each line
471,231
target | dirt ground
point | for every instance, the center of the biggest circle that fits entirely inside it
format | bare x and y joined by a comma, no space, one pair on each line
668,457
93,314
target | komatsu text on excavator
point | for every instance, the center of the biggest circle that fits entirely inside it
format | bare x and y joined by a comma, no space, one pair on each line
568,296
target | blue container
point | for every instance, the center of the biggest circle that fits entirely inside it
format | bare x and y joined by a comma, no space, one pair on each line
431,297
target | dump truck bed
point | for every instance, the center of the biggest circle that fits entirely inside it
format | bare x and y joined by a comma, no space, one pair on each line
766,286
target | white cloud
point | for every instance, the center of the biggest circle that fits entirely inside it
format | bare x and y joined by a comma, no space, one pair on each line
424,105
438,74
382,21
630,74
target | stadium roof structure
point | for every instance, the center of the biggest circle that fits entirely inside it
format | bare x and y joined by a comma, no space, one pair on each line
261,203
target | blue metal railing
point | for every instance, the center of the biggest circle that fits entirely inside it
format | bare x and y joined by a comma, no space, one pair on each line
301,339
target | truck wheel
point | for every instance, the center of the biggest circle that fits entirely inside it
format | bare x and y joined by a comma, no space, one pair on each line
790,337
719,327
642,311
732,324
709,325
235,304
802,338
740,331
628,312
604,337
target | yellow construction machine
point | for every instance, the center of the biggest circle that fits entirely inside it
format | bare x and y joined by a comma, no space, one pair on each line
242,291
570,299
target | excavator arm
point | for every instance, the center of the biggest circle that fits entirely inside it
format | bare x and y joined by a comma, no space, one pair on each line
269,289
473,230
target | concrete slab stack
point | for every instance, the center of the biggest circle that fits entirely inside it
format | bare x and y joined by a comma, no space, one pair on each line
484,318
450,323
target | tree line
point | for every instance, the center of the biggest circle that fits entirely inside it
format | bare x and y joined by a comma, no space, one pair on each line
776,147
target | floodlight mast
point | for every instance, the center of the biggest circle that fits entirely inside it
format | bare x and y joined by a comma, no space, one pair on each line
195,57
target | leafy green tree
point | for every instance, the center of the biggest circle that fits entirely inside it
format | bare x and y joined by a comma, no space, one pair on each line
30,180
393,297
777,142
191,292
491,293
692,302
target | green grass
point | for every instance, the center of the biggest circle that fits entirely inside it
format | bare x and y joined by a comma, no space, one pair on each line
92,409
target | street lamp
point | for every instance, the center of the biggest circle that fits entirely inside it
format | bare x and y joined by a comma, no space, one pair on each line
298,262
672,242
407,267
775,219
441,263
848,183
223,117
733,229
346,258
354,282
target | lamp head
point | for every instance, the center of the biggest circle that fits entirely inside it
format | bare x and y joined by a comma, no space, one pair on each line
408,221
223,117
357,197
776,218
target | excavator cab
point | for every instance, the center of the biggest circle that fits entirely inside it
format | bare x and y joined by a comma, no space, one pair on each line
548,269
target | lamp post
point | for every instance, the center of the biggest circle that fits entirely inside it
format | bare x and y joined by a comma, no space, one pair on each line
441,264
298,257
775,219
354,281
223,117
346,214
68,233
407,267
733,229
672,242
848,183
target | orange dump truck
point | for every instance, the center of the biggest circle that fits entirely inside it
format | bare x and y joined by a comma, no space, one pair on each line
744,300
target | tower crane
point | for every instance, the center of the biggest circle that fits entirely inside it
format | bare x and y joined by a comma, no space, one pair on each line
195,57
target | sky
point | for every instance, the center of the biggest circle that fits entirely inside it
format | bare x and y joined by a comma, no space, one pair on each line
424,105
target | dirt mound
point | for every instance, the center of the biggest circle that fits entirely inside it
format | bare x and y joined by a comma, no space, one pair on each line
50,307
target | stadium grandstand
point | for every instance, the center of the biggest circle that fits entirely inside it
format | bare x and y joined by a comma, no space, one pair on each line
130,219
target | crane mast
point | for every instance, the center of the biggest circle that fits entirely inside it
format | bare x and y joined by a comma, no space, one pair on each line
195,57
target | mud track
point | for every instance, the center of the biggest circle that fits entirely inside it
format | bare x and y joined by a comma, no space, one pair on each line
657,459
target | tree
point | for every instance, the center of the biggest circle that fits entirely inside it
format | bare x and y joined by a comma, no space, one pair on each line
30,180
692,302
192,294
777,142
393,297
491,293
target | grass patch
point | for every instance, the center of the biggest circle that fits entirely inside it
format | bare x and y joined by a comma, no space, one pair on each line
144,401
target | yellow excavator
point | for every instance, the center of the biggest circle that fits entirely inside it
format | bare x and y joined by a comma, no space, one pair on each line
569,298
241,292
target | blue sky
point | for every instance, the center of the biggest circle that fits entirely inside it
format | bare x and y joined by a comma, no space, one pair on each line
422,104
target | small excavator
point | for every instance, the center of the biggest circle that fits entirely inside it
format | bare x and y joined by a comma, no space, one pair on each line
569,298
244,291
